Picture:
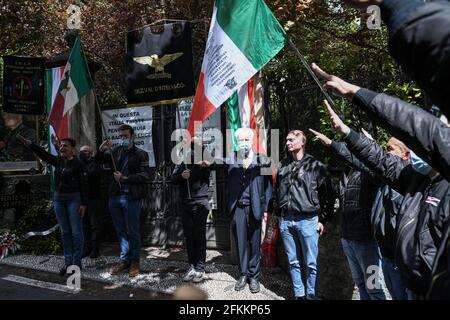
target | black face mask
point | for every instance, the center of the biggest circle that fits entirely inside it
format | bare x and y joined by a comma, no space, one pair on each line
84,157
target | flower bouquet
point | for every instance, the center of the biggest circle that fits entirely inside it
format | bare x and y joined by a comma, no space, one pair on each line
8,243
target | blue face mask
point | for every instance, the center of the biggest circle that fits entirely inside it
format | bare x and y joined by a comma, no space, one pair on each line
125,143
419,165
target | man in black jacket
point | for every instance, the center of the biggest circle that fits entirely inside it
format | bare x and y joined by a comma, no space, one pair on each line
305,200
384,221
93,216
126,191
424,133
357,195
424,210
420,42
384,213
193,180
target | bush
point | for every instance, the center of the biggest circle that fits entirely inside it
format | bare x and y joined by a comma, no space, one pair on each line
40,216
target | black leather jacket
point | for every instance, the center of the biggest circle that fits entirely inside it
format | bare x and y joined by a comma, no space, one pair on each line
357,196
419,40
422,214
138,171
422,132
304,186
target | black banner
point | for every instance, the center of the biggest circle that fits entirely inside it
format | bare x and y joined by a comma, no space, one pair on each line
23,85
159,64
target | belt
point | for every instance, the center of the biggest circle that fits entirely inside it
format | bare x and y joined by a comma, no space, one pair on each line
298,213
243,204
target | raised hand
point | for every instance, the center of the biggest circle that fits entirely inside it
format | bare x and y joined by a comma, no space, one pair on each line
336,123
322,138
335,84
105,145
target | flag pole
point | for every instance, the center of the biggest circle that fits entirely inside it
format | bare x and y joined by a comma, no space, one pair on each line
313,75
99,110
184,155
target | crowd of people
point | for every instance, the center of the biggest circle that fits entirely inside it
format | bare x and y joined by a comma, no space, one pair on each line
394,202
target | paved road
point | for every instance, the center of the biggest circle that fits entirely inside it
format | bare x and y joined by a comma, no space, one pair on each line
46,286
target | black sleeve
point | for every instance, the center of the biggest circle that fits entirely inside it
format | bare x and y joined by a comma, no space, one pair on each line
103,157
97,172
176,173
84,182
425,134
326,195
342,151
143,175
419,40
44,155
388,167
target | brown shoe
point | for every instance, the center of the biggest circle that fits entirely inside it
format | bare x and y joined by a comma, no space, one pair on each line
121,267
134,269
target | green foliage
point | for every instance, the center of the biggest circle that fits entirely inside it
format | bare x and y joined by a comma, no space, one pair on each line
407,91
40,216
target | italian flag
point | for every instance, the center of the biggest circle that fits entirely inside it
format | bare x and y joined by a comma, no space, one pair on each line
53,80
246,110
243,37
74,84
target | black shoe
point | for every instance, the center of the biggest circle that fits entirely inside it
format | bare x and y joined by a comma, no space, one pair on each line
240,284
303,298
63,271
254,285
94,253
312,298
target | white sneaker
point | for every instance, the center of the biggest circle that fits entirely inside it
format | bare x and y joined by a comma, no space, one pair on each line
199,276
190,274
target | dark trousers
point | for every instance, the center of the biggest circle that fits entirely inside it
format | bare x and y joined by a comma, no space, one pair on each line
247,229
92,224
194,217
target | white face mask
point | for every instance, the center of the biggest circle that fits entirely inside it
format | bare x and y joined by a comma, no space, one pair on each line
245,147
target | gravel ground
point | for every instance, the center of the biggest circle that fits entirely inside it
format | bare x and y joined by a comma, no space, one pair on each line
162,270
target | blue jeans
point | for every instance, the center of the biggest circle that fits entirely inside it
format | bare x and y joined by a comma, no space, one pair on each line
393,280
301,239
125,216
71,224
361,255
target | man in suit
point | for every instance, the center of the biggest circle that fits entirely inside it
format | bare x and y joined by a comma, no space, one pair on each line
249,193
